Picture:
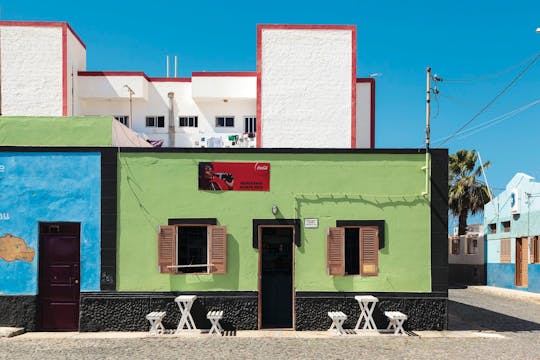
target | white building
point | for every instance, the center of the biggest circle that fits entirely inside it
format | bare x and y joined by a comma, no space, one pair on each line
466,258
304,94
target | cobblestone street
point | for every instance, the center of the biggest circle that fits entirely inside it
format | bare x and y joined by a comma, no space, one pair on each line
482,324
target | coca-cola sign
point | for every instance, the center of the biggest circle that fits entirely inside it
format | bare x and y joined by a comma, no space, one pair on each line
237,176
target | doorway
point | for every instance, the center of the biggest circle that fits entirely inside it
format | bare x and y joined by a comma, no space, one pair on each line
522,261
276,268
59,274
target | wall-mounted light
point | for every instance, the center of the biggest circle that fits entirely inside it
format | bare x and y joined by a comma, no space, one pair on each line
274,209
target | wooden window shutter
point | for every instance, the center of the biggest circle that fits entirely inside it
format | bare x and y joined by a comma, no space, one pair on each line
535,250
167,249
369,250
335,251
217,248
505,251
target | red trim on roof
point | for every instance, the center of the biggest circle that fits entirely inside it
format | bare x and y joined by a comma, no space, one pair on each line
306,27
76,36
113,73
259,88
166,79
209,74
64,70
372,112
43,24
32,23
353,89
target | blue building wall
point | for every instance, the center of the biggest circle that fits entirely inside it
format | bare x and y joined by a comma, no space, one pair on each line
519,204
49,187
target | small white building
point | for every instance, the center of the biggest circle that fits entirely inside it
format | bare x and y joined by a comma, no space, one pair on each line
304,94
466,258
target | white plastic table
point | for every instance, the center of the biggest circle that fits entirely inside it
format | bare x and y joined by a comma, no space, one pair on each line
367,305
185,302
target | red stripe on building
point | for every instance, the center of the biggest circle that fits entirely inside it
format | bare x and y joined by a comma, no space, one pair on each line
353,89
223,74
64,71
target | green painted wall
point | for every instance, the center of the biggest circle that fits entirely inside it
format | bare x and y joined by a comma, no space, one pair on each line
154,187
56,131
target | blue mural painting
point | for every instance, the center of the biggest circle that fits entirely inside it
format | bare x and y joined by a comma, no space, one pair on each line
48,187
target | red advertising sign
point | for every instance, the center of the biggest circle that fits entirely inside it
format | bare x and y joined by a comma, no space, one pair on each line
245,176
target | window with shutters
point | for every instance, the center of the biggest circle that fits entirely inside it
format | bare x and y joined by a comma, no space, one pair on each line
505,250
456,245
353,250
535,250
192,248
472,245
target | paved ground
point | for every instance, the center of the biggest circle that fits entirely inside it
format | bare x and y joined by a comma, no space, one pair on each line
484,323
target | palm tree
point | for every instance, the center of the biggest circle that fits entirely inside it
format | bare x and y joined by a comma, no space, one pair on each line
466,193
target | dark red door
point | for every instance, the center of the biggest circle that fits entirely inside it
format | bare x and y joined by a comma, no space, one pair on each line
59,274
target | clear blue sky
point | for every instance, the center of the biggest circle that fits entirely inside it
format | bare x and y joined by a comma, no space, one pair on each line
486,43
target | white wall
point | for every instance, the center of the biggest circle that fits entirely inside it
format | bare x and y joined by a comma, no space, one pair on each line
363,115
112,86
463,257
31,70
223,87
306,87
157,104
76,61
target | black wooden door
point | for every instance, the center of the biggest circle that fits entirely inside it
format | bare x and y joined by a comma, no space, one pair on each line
276,277
59,276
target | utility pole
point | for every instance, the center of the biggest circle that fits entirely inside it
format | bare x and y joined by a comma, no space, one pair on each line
131,93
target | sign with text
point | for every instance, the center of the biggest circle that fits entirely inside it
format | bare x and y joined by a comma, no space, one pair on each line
311,223
236,176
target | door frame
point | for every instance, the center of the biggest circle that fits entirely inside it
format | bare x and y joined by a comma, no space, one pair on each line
522,262
259,274
40,257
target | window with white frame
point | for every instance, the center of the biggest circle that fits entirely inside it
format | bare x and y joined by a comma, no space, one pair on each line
224,121
250,124
124,119
155,121
472,245
188,121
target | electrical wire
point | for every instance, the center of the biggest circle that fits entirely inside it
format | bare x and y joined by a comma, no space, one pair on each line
494,121
508,86
490,76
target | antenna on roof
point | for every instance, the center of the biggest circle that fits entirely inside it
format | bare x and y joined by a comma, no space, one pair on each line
175,65
167,65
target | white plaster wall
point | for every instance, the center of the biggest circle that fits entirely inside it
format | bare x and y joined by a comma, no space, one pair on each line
224,87
76,61
306,88
112,87
157,104
463,257
363,115
31,70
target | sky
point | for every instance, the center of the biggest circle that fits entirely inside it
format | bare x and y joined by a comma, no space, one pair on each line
485,52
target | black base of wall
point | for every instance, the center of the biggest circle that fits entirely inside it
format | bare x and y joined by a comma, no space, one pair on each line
18,311
425,313
467,274
120,311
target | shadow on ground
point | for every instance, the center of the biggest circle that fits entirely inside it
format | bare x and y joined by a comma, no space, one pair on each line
467,317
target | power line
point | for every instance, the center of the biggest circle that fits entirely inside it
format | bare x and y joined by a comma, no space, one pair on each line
491,76
514,80
494,121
